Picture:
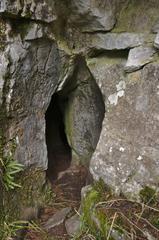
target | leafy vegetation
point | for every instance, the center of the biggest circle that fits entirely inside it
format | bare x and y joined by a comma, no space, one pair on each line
9,230
10,169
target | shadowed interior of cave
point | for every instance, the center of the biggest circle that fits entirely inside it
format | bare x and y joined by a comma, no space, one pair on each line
59,151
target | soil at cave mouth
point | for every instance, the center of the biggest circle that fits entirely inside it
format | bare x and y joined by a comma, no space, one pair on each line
67,190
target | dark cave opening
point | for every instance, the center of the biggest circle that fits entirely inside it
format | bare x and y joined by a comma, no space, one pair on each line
59,151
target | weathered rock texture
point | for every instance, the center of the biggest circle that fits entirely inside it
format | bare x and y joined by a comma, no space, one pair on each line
101,57
83,115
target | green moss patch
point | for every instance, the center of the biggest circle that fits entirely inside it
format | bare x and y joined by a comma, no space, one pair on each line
105,216
137,16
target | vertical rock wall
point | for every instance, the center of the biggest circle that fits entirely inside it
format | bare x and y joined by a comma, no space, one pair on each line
94,53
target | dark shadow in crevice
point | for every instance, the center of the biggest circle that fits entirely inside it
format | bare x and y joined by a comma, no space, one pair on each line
59,151
110,54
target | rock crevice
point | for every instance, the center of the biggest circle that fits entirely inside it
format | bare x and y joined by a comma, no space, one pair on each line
101,59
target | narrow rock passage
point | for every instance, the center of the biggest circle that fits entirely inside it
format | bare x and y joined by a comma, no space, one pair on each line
59,152
66,180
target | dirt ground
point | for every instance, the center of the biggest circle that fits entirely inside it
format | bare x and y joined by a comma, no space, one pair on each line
67,191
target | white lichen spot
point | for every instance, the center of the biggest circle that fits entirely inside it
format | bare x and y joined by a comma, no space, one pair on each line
120,93
113,99
17,139
111,170
124,180
100,84
121,86
121,149
139,157
110,149
10,94
95,168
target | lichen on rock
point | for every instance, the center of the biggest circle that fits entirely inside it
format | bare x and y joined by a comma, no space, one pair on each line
101,59
83,115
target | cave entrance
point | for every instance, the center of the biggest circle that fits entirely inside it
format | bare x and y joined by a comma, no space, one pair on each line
59,151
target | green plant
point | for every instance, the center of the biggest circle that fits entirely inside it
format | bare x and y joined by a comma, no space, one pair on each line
94,223
8,165
10,169
9,230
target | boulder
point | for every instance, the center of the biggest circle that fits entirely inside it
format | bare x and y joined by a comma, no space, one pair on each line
136,16
83,115
57,219
34,31
138,57
126,157
73,225
91,16
117,41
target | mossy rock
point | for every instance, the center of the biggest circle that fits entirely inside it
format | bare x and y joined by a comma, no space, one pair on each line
93,219
2,34
136,16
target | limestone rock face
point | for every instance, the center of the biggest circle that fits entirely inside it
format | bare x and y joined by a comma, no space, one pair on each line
139,57
83,115
156,43
114,41
27,65
92,15
126,156
101,59
32,9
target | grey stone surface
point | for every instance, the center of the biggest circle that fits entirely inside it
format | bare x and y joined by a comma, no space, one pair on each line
138,57
83,115
117,236
3,70
38,10
28,95
136,16
126,157
117,41
156,42
91,15
35,31
57,219
73,225
34,65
